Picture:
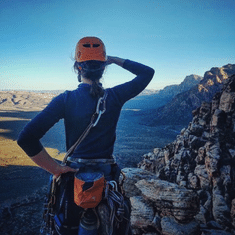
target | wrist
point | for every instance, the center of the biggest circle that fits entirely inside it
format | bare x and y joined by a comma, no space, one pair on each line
118,61
115,60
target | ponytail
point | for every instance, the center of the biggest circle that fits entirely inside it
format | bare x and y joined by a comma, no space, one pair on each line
96,89
92,70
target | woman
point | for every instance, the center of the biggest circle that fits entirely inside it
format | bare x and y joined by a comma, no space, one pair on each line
76,108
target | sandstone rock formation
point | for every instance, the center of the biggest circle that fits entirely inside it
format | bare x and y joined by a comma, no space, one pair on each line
202,159
159,206
179,109
173,90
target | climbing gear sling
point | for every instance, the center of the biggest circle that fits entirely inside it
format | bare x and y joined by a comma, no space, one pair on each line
100,109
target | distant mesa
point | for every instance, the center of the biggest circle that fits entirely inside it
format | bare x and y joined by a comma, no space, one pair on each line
24,100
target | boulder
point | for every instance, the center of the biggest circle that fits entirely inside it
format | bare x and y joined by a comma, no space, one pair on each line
142,214
132,175
201,172
220,210
171,227
170,199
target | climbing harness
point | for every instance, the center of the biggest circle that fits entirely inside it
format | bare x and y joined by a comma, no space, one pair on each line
91,161
51,197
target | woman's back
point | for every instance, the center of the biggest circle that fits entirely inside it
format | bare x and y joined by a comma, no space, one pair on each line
77,107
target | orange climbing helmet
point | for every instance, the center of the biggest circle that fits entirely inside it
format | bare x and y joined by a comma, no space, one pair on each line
90,48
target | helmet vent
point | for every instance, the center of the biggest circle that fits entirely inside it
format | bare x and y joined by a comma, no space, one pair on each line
96,45
90,48
87,45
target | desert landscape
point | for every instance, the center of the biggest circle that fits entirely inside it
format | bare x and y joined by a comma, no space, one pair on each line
21,182
200,158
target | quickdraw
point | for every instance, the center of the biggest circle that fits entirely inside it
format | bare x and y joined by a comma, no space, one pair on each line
116,203
49,207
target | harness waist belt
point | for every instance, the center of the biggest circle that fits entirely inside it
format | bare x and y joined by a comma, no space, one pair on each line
91,161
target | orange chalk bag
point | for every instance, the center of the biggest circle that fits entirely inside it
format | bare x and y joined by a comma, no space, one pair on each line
88,189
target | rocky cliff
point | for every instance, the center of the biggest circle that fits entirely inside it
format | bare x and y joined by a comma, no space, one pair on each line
188,187
173,90
179,109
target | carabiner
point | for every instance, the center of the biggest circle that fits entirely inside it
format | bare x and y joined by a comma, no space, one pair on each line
98,118
113,183
100,111
101,101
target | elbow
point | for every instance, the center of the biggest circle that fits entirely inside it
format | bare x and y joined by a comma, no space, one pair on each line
24,139
151,73
29,145
21,140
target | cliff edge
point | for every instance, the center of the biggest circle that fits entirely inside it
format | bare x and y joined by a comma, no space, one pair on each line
196,172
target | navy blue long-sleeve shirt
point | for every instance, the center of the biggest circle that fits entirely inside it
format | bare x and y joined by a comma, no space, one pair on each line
76,108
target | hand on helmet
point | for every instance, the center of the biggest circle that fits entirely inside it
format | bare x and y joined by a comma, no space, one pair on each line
110,60
115,60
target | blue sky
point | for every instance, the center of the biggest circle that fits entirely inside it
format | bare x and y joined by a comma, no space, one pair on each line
175,37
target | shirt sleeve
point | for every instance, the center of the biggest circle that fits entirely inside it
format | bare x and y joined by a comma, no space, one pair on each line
128,90
29,138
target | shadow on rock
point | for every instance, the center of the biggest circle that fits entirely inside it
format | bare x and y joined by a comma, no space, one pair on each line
22,191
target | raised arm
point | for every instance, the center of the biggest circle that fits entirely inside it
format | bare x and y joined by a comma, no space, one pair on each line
128,90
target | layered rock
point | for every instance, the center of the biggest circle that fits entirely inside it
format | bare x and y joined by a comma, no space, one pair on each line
202,158
179,110
170,199
159,206
173,90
